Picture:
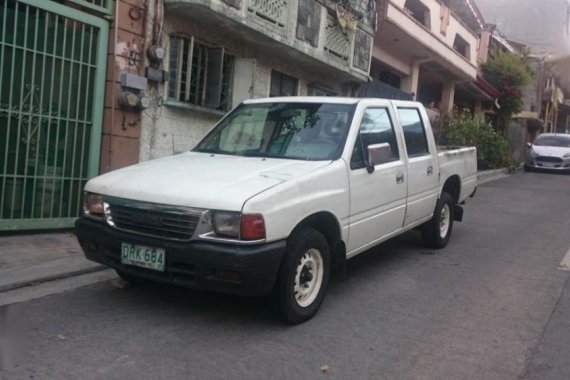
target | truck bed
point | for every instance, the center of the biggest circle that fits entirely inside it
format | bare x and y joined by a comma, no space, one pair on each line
462,161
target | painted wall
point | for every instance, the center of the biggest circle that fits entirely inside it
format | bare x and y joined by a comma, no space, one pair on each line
436,36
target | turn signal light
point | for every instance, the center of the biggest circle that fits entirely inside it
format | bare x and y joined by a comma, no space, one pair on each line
252,227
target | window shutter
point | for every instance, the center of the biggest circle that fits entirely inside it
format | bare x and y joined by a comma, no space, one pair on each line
176,46
244,75
214,77
309,21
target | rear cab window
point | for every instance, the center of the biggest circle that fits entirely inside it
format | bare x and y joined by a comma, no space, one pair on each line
414,131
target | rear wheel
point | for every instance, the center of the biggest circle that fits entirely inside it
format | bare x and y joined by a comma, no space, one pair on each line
303,278
437,232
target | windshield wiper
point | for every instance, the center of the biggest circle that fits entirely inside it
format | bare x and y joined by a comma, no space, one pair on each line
210,150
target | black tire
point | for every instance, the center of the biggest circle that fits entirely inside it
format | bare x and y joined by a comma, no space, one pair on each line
431,231
301,245
527,168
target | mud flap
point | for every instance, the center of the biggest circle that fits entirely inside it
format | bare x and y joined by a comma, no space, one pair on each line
458,213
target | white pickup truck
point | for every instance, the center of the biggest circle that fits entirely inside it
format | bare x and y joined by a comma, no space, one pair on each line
277,196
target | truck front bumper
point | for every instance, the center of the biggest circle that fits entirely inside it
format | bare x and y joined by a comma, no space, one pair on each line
234,269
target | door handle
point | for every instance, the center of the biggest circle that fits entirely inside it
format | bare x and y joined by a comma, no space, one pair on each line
430,170
400,178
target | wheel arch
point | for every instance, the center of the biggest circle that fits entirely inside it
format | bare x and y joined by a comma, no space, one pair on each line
452,186
327,224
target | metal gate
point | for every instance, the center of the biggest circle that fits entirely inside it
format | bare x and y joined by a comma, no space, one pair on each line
52,74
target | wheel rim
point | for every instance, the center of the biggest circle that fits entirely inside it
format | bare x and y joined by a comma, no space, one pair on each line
444,221
308,277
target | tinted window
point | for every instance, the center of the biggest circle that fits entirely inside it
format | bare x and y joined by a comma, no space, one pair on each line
375,128
414,132
550,140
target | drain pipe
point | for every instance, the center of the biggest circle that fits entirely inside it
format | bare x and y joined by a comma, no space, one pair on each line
114,86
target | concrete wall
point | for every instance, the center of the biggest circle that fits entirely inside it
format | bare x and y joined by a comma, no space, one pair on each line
439,45
455,26
122,128
516,136
398,61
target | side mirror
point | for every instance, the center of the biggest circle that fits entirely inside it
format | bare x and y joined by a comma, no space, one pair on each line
378,154
528,144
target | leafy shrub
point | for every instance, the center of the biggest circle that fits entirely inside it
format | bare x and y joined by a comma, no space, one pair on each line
461,128
509,73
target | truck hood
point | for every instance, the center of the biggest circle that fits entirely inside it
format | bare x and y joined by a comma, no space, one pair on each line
200,180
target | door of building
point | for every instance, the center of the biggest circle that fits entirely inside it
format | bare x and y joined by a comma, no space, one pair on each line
52,75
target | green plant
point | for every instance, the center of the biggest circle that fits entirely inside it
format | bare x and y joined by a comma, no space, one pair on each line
461,128
509,73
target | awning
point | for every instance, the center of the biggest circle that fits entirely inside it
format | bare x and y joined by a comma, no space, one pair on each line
526,115
486,88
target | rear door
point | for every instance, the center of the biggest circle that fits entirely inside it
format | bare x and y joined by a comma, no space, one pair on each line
377,198
423,180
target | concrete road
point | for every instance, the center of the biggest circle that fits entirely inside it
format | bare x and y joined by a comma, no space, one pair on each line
492,305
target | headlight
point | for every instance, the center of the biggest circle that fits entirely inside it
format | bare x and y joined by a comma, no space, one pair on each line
239,226
567,155
93,204
227,223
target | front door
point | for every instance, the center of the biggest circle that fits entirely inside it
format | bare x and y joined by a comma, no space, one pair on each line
377,198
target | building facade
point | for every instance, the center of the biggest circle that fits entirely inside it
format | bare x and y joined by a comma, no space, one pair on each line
153,76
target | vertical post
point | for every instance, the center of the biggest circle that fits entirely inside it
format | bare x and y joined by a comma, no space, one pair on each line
478,108
411,82
447,97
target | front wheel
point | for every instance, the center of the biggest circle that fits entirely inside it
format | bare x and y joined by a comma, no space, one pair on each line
303,278
437,232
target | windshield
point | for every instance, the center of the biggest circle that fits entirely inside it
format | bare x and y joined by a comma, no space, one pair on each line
558,141
308,131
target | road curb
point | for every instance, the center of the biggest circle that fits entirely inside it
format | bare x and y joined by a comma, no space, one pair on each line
491,175
486,176
55,277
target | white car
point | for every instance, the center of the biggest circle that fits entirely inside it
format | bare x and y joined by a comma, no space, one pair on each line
549,151
277,196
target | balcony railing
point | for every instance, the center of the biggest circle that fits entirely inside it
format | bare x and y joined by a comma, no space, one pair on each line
274,11
377,89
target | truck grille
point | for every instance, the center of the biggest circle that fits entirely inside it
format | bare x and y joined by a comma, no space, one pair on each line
164,223
549,159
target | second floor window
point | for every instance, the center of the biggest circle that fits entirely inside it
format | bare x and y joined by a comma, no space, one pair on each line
200,74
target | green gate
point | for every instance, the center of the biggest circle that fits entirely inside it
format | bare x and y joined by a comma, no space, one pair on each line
52,77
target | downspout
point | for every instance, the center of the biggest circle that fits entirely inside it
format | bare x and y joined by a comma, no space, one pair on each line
113,90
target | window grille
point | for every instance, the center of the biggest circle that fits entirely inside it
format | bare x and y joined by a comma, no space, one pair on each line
200,74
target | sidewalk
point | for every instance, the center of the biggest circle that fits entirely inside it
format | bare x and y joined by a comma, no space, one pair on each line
36,258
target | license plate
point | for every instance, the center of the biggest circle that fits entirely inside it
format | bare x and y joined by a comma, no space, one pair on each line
144,257
548,164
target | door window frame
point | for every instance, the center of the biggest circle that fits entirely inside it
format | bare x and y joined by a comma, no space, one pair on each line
427,145
359,140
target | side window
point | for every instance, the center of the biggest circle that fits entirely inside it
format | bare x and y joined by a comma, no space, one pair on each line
414,132
375,128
